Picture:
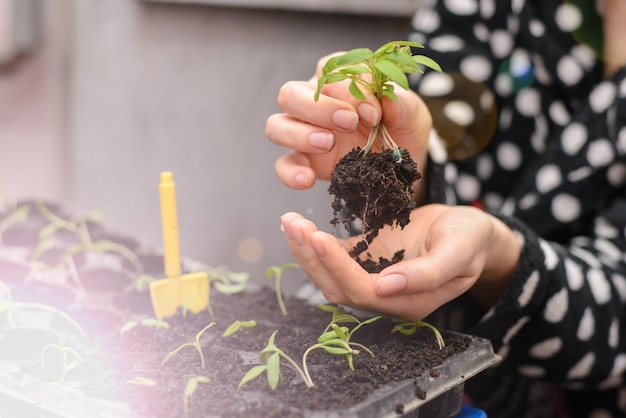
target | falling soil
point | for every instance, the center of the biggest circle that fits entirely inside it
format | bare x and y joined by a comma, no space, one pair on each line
376,190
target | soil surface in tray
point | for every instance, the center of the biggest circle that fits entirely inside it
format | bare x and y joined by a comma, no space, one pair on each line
138,353
127,367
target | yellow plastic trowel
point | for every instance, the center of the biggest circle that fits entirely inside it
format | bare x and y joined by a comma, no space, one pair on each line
190,290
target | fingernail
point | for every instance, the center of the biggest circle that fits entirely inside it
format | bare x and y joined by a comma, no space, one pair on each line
302,180
368,113
293,233
321,140
391,284
345,119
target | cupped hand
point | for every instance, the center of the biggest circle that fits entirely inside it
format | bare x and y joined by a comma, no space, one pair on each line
448,251
320,133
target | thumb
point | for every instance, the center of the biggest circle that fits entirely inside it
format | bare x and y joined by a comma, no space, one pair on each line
444,269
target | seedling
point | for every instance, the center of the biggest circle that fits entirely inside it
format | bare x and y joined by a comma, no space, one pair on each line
79,228
195,344
337,335
238,325
270,365
20,214
8,308
334,340
142,381
67,363
277,272
410,328
387,65
148,322
226,282
375,188
197,295
190,389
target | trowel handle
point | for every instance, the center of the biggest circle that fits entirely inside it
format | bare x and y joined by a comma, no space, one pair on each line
169,221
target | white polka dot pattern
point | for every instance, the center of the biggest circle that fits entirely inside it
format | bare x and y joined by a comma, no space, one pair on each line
557,306
582,368
554,169
586,326
546,349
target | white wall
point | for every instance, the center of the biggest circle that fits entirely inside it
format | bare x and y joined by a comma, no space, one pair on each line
188,88
33,137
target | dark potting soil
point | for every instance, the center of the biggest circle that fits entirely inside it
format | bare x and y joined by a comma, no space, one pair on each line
127,369
138,353
376,190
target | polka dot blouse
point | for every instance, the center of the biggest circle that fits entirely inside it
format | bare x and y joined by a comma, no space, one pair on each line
527,128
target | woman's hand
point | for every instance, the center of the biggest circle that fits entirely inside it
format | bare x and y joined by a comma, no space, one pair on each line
320,133
448,251
614,16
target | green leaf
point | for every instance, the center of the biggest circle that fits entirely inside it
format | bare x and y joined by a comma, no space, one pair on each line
327,308
392,71
229,289
270,341
240,277
355,90
337,346
273,370
253,373
143,281
337,350
342,332
328,79
369,321
155,323
142,381
233,328
354,70
237,325
335,77
199,334
355,56
192,384
172,353
428,62
326,336
128,326
345,318
404,60
390,94
395,44
272,271
190,388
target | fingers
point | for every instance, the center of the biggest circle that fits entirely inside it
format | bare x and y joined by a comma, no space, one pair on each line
344,282
327,264
298,232
441,271
285,131
354,286
409,121
294,171
296,99
336,109
451,260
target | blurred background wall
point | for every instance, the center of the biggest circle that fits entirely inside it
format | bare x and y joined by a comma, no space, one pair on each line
117,91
